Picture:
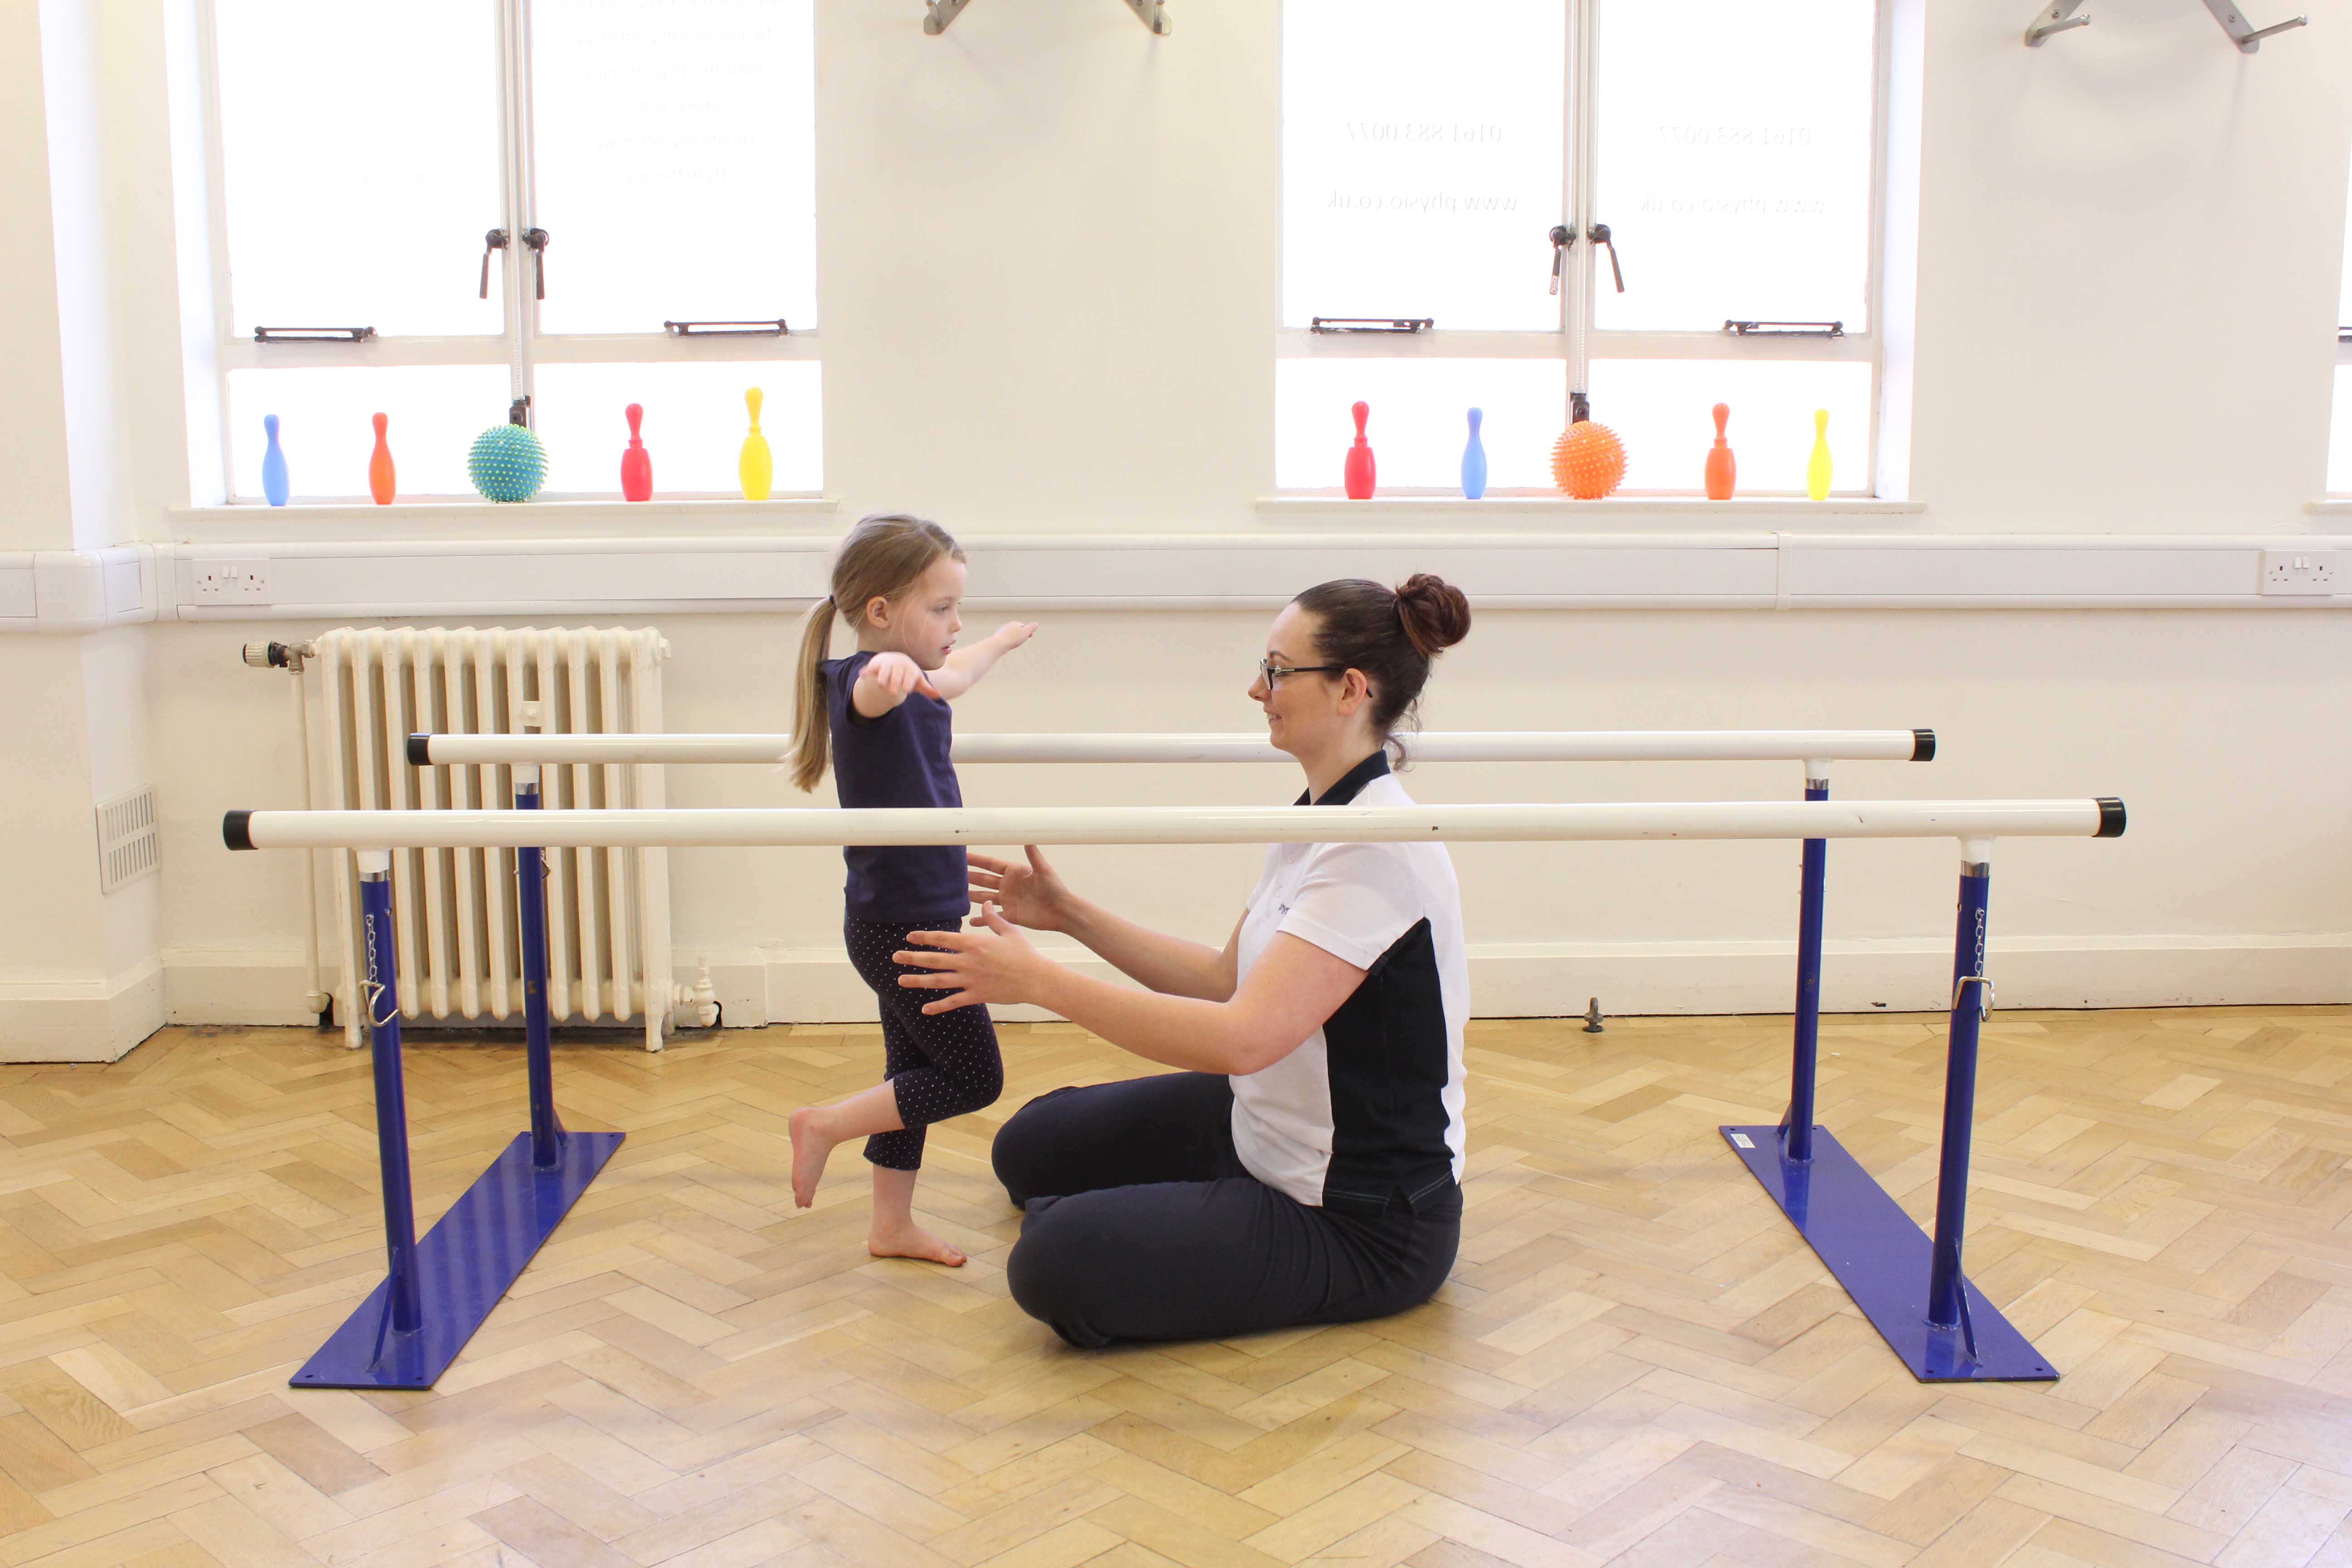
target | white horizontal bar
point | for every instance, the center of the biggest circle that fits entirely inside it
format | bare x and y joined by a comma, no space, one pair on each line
762,827
1460,746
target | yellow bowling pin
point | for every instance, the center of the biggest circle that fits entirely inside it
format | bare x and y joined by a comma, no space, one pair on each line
758,468
1817,471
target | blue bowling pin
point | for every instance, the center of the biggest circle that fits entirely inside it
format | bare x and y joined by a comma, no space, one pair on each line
1473,461
273,465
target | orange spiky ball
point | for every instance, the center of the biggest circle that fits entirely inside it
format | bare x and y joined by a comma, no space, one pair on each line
1588,461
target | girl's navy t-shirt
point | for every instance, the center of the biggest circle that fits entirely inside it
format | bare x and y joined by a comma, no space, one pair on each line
897,759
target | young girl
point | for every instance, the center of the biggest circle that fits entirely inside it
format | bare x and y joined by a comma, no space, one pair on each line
883,713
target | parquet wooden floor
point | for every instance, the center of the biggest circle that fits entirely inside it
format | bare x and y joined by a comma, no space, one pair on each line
1636,1361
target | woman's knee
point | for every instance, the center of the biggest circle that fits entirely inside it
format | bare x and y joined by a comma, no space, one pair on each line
1024,1148
1053,1272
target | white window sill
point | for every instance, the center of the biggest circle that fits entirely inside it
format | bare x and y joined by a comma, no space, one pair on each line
1310,508
2330,506
359,522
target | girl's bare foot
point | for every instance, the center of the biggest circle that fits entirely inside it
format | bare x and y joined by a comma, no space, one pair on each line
810,1149
912,1240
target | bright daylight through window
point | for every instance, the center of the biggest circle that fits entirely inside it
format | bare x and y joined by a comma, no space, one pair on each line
1719,157
515,200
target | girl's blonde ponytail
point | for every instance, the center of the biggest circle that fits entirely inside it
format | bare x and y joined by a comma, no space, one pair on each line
811,730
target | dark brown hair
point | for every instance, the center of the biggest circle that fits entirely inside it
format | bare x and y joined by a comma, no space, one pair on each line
1391,635
881,558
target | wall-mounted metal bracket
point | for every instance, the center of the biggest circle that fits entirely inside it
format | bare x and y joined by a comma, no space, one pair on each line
939,14
1152,13
2242,32
2058,17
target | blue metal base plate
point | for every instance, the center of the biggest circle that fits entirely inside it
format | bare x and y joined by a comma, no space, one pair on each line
464,1266
1881,1257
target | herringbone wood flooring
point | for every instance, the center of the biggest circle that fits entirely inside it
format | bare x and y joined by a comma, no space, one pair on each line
1636,1361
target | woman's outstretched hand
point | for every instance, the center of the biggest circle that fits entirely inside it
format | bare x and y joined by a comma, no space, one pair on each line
1033,894
993,964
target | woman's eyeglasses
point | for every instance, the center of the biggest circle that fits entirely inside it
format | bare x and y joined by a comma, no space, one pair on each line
1274,672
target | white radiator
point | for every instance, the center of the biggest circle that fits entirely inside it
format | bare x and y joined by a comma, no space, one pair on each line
607,910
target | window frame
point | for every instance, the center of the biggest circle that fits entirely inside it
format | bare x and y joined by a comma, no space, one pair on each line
520,346
1577,341
2334,486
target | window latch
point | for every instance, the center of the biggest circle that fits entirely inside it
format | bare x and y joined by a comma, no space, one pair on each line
753,329
1598,234
1370,323
1785,329
1562,237
312,334
494,240
537,240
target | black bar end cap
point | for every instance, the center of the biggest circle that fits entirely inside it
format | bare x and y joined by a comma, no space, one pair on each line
2110,818
420,751
236,829
1923,745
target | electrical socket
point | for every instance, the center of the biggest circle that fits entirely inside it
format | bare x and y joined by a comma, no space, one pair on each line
2299,571
232,582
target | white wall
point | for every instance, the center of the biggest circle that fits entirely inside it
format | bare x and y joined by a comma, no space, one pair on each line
2129,261
1048,261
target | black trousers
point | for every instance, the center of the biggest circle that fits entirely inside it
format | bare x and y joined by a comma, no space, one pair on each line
941,1064
1142,1223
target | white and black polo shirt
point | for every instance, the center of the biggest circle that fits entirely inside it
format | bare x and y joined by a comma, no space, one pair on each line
1371,1103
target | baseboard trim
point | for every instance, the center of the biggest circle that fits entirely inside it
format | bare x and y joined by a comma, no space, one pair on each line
1507,980
85,1021
1543,980
236,986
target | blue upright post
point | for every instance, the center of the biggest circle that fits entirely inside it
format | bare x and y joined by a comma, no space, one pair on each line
1797,1127
440,1289
1947,1305
1909,1286
531,911
379,1000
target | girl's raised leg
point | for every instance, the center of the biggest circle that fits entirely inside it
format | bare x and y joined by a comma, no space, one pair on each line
817,1128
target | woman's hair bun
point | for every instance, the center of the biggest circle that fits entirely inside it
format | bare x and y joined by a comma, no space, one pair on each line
1435,613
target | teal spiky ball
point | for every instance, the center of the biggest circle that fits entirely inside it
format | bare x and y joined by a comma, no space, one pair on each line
507,463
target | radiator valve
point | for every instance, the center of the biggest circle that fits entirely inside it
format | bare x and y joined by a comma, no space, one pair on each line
278,654
698,1008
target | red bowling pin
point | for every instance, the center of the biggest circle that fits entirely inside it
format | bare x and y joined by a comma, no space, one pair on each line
636,463
1359,478
1720,469
379,473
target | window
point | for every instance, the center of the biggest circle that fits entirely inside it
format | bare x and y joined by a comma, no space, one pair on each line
2339,433
1730,151
499,199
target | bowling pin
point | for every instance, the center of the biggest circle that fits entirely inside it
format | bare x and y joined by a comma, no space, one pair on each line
379,471
1720,469
756,467
274,486
1817,471
1358,477
636,463
1473,461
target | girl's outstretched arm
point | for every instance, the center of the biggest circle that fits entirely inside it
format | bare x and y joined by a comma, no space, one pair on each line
964,667
885,682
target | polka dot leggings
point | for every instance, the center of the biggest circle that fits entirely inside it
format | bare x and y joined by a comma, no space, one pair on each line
941,1064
